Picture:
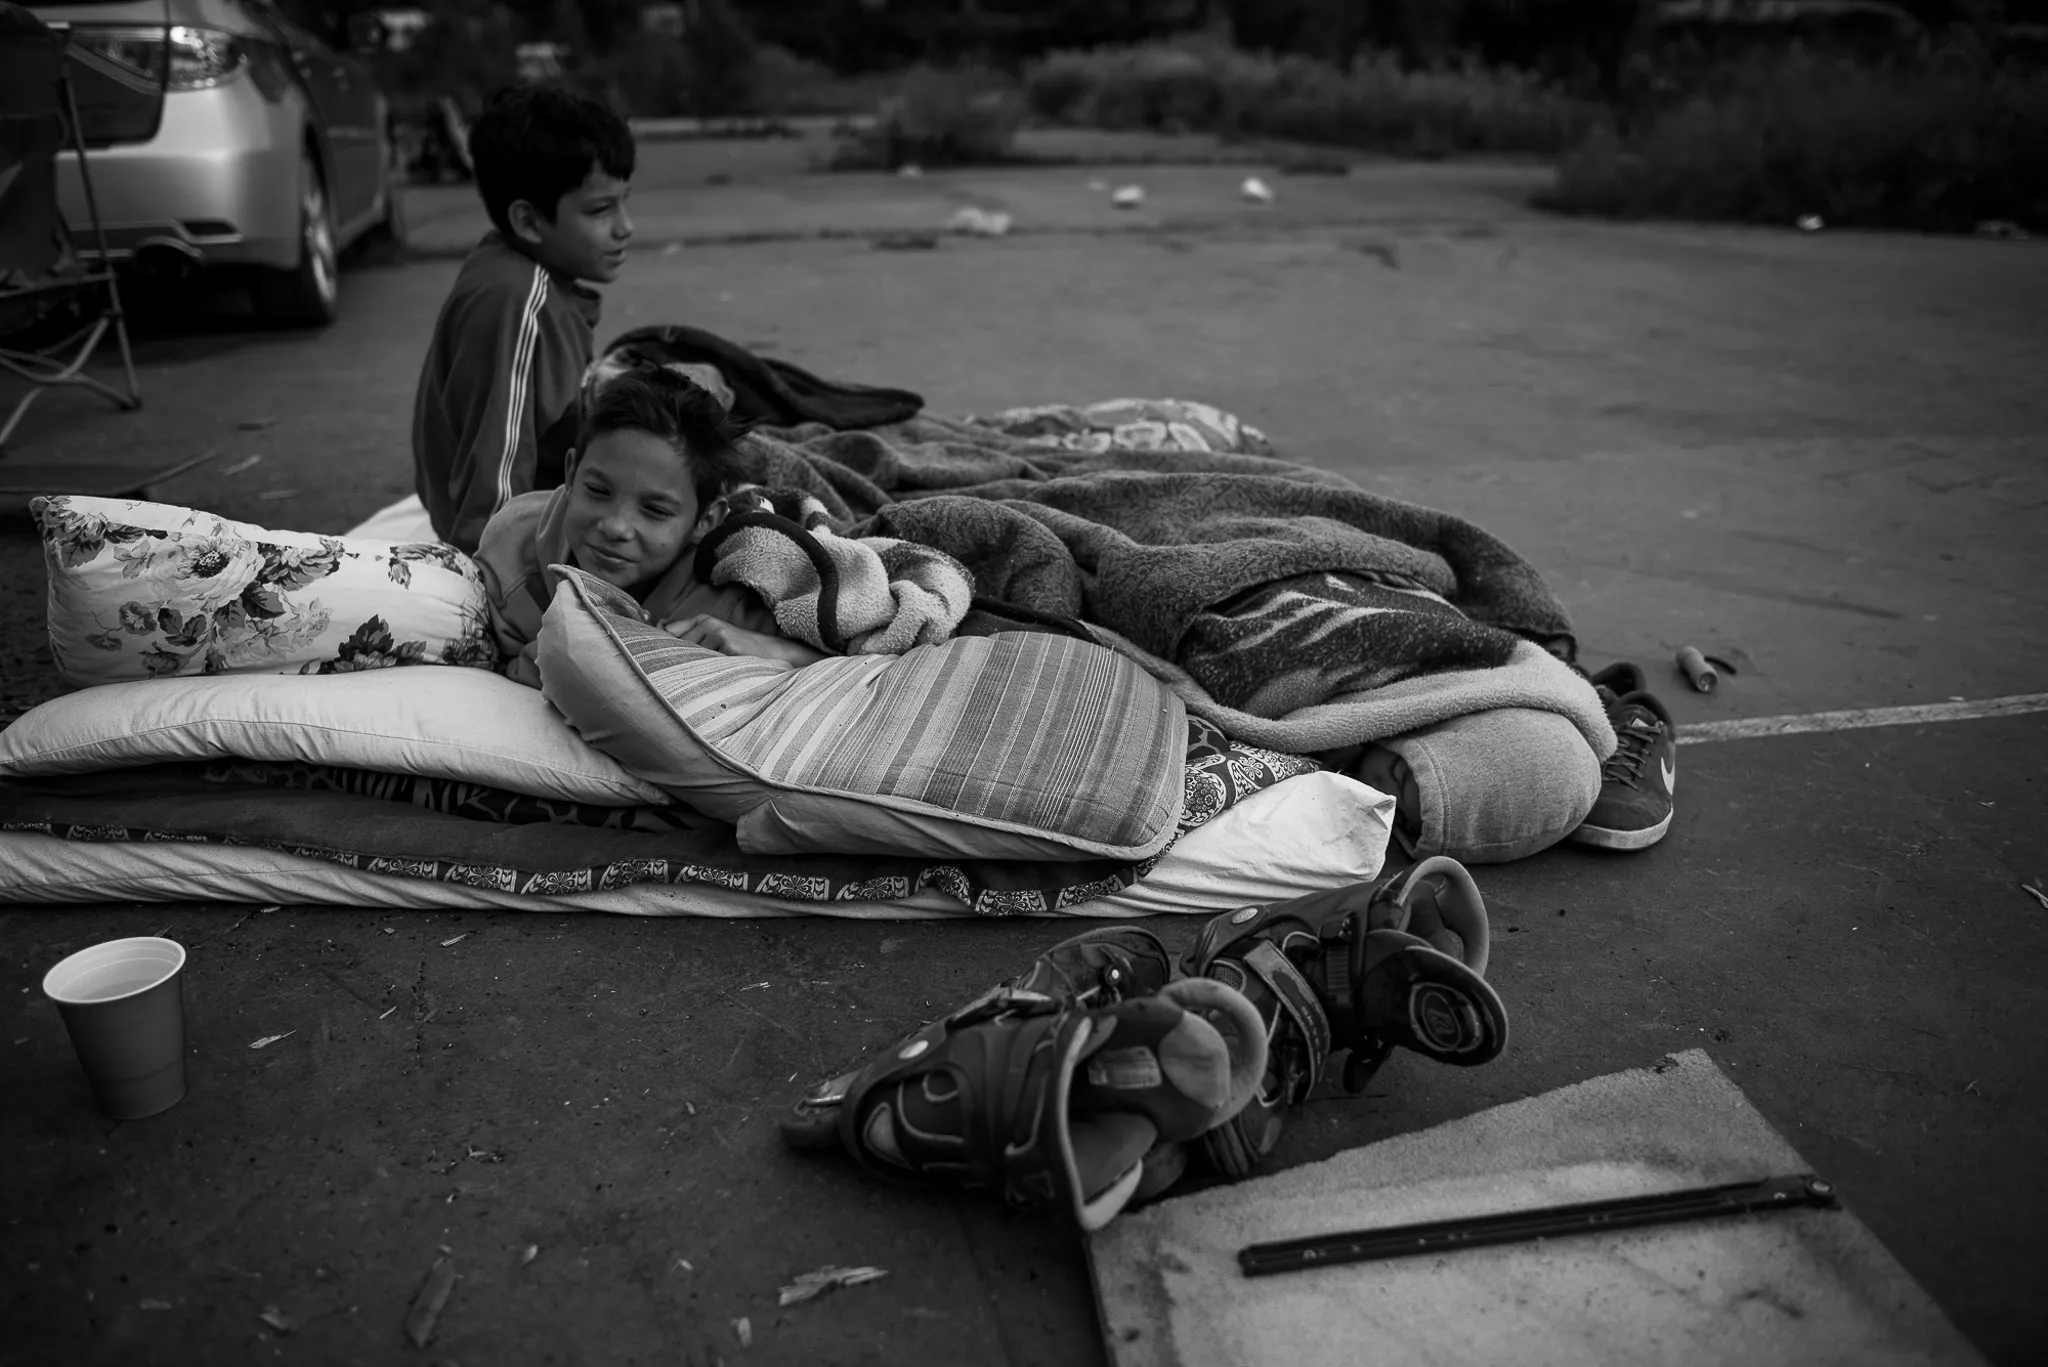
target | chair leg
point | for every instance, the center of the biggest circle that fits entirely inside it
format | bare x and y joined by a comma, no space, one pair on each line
14,418
132,399
55,373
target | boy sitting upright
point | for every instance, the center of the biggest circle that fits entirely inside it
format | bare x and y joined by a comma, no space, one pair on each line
656,453
496,411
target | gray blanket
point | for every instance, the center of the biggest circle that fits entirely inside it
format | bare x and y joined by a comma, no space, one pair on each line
1286,604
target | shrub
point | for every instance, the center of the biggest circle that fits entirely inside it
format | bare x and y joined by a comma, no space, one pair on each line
648,79
786,84
1373,103
939,117
1939,144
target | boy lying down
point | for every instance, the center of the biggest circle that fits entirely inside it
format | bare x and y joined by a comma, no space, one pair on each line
655,453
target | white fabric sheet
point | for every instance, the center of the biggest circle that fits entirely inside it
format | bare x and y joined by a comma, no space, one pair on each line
1317,831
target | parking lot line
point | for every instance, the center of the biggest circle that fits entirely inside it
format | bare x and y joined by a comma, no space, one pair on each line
1859,718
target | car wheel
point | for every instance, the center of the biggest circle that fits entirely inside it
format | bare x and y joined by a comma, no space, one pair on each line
309,293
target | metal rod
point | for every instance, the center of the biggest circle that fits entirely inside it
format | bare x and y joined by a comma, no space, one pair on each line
1549,1222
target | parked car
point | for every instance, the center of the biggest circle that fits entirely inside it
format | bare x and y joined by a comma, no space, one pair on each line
224,136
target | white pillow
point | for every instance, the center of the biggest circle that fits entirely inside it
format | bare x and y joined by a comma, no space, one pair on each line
465,724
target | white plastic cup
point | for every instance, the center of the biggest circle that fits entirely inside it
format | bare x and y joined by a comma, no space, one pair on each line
124,1004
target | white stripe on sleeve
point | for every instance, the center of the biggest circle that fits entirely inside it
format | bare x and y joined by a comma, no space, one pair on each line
522,369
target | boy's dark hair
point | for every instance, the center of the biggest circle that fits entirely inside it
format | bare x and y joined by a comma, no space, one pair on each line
682,413
539,142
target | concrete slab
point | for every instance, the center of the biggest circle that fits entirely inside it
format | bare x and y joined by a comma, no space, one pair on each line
1794,1287
1819,453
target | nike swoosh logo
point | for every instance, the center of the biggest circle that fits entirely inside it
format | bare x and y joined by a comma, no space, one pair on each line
1670,775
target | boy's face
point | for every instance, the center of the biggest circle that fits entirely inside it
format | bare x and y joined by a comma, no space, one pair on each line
587,240
631,508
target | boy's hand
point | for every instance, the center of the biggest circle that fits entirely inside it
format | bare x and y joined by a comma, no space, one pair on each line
715,633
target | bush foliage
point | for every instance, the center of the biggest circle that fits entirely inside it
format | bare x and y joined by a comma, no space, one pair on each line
1373,103
1944,143
939,117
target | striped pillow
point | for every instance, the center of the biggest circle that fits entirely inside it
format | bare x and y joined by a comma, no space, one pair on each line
1018,746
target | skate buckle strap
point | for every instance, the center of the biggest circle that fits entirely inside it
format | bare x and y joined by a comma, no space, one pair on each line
1343,971
1297,998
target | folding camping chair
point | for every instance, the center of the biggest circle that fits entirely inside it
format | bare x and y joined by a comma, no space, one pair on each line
40,272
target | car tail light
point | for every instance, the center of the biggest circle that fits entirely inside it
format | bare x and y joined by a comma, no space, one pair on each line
203,57
192,58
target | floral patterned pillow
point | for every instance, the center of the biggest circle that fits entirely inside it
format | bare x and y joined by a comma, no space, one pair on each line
148,590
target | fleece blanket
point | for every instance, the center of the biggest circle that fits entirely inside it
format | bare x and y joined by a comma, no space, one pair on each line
847,595
1285,604
1290,607
763,389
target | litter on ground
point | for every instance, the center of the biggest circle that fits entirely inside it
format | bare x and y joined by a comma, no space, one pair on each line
269,1040
811,1285
428,1304
979,222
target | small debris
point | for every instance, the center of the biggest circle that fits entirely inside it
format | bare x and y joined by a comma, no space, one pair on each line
1810,223
153,1304
685,1264
427,1305
390,930
751,987
274,906
811,1285
1256,190
483,1155
2002,227
532,1252
690,1108
2036,894
1381,252
389,1010
454,939
277,1319
979,222
1697,671
1098,185
910,170
671,249
1128,197
744,1327
256,424
1973,1087
269,1040
277,495
906,242
241,465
